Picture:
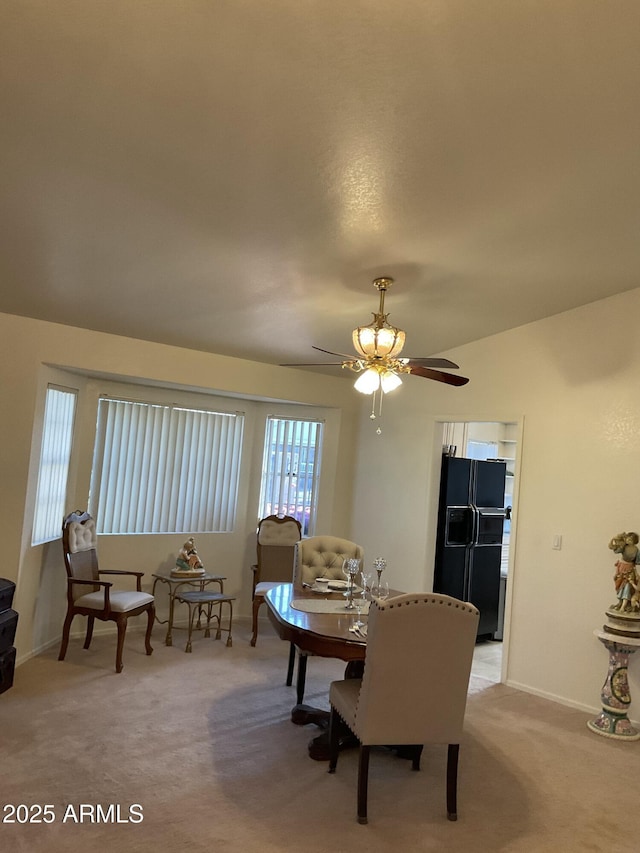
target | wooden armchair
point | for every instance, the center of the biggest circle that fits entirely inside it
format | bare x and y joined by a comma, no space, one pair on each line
88,595
276,540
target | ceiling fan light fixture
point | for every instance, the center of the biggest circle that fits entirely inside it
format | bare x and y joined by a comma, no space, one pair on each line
375,378
389,381
378,341
368,382
377,364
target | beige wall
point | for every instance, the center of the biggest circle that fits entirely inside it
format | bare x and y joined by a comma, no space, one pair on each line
34,353
571,382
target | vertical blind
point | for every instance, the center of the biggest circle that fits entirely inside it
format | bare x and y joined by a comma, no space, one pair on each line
291,470
53,471
165,469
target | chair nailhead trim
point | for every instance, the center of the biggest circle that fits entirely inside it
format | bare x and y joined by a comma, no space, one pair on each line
455,603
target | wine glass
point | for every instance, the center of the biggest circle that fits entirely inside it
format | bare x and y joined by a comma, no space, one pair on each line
345,568
367,577
345,572
360,602
383,591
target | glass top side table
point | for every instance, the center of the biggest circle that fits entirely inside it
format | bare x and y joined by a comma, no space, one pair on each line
198,582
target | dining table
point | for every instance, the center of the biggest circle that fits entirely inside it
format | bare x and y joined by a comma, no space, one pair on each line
318,623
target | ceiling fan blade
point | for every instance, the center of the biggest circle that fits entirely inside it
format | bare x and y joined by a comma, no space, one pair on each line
314,364
339,354
433,362
419,362
439,376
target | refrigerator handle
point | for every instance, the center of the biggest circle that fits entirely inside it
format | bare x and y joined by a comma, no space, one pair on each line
475,524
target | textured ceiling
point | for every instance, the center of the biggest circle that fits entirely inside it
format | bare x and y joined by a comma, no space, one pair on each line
230,176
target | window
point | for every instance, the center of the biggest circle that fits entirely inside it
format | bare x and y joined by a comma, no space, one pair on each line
165,469
53,470
291,470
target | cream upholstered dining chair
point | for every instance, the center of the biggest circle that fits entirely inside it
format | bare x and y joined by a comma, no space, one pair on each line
275,553
414,687
322,557
88,595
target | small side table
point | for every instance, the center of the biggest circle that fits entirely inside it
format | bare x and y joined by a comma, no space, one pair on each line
201,602
613,721
175,584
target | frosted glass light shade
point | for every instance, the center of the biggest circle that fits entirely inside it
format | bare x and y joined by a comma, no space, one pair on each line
380,342
368,381
389,381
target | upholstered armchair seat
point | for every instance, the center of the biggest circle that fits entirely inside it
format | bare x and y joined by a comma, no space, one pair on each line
261,589
323,556
344,698
119,602
414,687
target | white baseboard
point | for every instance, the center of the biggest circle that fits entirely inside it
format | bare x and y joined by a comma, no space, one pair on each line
102,628
561,700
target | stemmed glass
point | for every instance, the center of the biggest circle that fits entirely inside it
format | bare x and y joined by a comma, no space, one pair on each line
379,564
360,603
345,571
367,577
364,597
347,576
383,591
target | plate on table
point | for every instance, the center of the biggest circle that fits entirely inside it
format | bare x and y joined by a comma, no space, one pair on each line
338,585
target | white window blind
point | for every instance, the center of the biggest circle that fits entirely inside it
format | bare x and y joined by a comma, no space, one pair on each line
291,470
53,470
165,469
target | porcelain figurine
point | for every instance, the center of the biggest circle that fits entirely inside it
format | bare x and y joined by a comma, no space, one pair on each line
626,579
188,559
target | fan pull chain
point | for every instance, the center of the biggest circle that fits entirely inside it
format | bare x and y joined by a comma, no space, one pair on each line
373,416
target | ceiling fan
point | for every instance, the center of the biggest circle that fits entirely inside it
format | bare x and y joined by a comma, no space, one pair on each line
378,347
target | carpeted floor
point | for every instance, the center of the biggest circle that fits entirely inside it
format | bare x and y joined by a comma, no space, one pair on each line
203,744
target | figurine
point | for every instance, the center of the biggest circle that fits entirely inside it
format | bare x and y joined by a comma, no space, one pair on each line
626,578
188,559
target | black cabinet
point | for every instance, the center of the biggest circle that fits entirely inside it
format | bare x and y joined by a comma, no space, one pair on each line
8,625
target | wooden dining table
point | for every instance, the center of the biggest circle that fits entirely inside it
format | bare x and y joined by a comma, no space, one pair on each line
325,634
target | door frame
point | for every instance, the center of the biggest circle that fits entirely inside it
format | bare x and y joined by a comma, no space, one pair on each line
434,491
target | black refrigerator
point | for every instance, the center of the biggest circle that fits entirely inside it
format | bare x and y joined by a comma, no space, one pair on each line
469,540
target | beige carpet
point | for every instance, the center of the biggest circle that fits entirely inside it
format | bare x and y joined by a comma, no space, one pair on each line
204,744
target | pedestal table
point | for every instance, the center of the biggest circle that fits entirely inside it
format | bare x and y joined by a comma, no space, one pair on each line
613,721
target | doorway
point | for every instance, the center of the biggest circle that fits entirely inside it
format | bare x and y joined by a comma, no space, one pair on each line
490,441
